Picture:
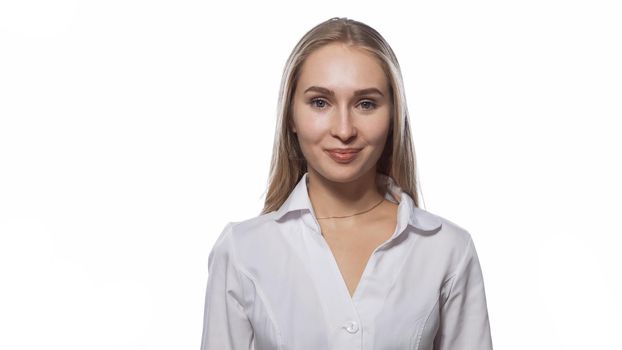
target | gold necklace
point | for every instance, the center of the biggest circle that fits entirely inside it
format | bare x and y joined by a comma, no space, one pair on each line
347,216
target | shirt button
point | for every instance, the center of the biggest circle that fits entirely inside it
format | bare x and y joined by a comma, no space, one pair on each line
352,327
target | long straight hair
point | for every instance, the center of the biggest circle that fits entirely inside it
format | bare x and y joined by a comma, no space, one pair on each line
288,163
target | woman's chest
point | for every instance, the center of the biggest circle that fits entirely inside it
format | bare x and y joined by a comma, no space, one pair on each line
298,297
352,248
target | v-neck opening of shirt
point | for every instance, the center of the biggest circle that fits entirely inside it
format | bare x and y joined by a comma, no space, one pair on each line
337,271
390,196
335,264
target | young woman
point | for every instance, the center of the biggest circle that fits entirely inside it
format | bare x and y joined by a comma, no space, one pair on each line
342,257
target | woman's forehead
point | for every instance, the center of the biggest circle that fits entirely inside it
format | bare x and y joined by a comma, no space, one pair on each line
342,69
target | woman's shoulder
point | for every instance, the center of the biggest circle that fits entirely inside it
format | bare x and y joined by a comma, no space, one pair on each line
258,224
449,235
237,233
247,229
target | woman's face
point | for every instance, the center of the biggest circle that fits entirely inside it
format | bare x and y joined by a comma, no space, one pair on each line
328,113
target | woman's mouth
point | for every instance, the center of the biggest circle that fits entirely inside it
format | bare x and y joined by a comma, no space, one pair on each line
343,156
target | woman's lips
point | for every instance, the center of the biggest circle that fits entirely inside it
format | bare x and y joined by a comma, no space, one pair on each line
343,156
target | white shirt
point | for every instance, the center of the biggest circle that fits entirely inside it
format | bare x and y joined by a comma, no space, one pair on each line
274,284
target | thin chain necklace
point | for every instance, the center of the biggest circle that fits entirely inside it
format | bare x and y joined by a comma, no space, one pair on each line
347,216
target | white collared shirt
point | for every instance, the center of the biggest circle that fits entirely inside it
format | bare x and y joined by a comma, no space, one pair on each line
274,284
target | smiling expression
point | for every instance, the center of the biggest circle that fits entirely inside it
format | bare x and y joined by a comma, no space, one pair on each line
341,101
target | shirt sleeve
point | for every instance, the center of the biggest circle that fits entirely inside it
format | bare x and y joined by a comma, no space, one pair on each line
464,315
225,323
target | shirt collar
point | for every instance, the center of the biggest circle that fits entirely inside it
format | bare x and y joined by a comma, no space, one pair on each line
408,213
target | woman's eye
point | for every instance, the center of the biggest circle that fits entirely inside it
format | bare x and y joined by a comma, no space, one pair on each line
315,101
368,105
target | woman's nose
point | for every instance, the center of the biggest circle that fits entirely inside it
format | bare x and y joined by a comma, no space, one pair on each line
343,124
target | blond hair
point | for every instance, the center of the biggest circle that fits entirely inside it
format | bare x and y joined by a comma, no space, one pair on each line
288,164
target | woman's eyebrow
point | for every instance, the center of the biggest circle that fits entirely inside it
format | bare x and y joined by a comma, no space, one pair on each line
371,90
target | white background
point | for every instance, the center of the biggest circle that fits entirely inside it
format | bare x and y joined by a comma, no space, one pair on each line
132,131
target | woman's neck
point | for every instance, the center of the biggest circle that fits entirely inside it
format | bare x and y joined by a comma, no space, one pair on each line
332,198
